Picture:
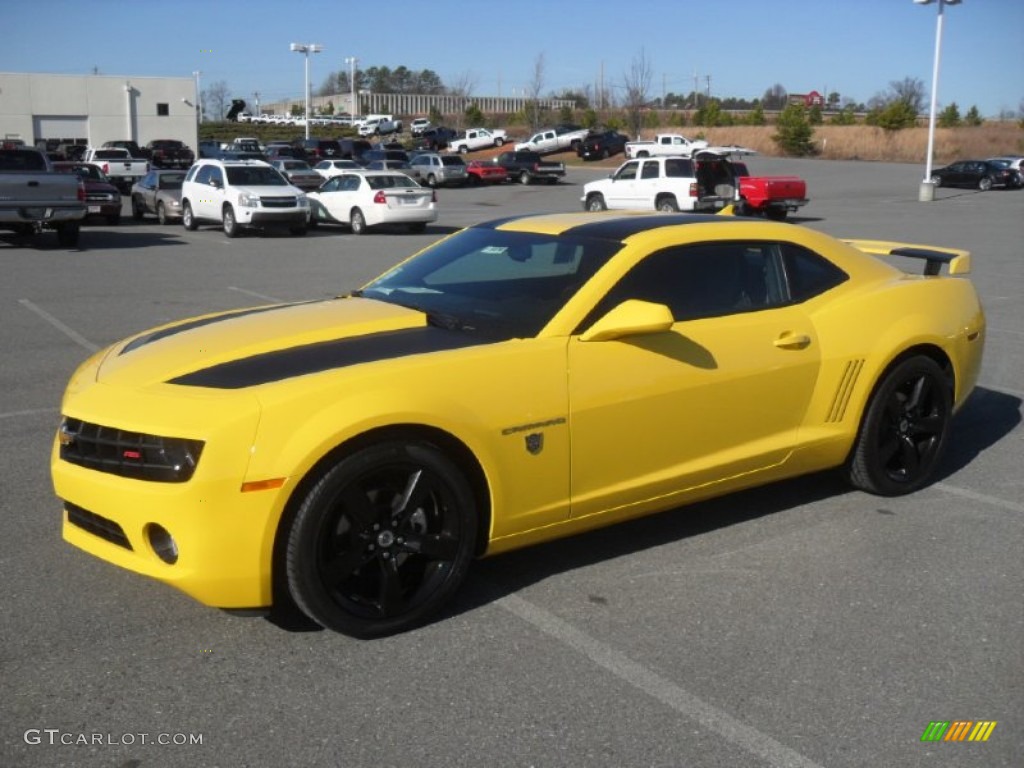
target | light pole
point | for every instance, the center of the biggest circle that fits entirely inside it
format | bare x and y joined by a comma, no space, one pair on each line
199,95
306,49
927,190
353,104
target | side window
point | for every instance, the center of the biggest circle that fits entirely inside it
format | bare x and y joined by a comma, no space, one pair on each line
807,273
203,176
650,170
678,168
627,172
706,280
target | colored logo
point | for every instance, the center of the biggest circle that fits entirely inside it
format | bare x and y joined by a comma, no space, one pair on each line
959,730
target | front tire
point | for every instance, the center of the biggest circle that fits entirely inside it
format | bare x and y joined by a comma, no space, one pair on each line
230,223
382,540
596,203
904,431
524,177
188,219
936,181
138,209
161,213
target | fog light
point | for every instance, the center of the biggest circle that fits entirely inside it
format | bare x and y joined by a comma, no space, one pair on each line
162,543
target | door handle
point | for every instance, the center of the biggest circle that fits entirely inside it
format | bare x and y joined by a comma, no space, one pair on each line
790,340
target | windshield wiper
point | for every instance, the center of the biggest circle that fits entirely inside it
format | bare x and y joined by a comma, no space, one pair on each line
447,322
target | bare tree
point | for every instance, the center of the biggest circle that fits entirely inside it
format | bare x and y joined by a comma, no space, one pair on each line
636,91
536,85
775,97
215,96
463,87
910,91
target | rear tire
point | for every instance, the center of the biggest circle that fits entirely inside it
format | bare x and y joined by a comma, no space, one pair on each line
357,222
667,204
904,430
985,184
67,235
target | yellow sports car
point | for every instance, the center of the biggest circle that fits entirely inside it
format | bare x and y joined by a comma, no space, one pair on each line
520,380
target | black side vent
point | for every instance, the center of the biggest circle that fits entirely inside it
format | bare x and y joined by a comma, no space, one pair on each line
96,525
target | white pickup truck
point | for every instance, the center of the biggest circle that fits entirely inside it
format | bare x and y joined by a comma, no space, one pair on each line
118,165
561,138
664,144
477,138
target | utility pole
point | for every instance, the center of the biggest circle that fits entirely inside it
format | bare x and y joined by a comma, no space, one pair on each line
708,78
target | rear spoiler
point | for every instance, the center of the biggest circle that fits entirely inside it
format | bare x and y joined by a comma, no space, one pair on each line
959,261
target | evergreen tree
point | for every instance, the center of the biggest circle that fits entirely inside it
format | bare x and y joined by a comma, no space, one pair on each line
794,132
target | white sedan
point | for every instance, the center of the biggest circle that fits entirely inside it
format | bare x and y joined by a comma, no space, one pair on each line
367,199
331,168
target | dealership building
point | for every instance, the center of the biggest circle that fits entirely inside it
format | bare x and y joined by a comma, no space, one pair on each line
92,109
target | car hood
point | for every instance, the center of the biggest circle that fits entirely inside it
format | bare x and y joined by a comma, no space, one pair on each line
268,335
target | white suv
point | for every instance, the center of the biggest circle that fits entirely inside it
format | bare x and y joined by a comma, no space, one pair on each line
242,193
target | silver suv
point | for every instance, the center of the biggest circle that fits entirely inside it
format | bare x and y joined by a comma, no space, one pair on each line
240,194
436,170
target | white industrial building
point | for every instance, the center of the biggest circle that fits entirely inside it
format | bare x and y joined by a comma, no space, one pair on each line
92,109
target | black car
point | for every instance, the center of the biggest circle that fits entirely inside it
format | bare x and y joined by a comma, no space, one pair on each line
598,146
319,149
353,149
976,174
435,139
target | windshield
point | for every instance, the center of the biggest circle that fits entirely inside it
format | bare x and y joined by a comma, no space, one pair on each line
171,180
506,284
254,176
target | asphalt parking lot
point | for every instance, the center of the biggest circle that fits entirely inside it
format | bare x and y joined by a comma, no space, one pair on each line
802,624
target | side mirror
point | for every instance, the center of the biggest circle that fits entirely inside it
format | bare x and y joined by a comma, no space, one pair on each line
630,318
215,183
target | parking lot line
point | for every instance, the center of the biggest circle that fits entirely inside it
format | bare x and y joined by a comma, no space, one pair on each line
71,333
682,701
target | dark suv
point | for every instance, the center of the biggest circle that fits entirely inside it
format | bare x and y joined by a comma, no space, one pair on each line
318,149
354,149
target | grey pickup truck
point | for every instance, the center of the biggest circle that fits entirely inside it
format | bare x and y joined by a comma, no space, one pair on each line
34,198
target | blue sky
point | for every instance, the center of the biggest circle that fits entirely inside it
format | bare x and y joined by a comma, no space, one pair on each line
854,47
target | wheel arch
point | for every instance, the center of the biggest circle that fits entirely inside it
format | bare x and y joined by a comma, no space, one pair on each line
924,349
454,448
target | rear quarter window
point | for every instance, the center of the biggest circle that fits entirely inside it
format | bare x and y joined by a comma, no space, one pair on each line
809,274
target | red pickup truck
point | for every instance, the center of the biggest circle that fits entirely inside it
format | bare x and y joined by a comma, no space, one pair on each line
774,196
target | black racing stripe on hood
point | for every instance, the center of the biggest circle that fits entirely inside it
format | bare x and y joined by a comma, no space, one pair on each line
327,355
622,228
189,325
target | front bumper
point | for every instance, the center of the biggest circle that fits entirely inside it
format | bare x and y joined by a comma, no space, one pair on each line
223,536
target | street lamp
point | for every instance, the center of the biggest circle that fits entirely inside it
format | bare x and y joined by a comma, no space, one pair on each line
199,95
927,190
352,104
306,49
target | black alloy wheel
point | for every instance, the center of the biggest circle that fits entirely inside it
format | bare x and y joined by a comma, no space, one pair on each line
904,431
382,540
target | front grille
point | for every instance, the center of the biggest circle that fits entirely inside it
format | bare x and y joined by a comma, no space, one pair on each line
96,525
278,202
129,454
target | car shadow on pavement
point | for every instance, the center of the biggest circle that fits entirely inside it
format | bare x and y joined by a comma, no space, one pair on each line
986,418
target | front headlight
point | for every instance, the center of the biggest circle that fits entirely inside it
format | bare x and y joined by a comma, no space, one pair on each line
247,200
